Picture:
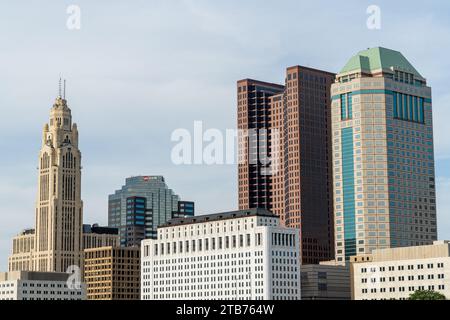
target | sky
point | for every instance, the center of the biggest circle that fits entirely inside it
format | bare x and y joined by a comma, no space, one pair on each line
138,70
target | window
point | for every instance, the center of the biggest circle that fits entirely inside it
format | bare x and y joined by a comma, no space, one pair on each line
346,106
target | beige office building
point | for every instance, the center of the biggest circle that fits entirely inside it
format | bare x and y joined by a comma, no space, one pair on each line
112,273
397,273
57,241
59,238
383,155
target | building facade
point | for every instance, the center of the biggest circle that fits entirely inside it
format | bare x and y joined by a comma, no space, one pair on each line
140,206
292,125
59,209
325,282
185,209
96,237
240,255
21,257
394,274
24,285
383,159
112,273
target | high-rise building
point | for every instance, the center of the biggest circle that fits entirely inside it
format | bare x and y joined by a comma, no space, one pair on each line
26,285
112,273
396,273
383,162
239,255
58,240
293,122
254,109
140,206
59,209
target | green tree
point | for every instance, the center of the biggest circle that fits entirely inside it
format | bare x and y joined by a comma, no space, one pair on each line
426,295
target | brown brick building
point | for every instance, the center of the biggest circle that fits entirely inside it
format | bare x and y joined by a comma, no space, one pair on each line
112,273
296,118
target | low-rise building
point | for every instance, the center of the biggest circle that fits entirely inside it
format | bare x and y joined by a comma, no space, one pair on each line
325,281
97,237
23,245
239,255
398,272
112,273
24,285
22,251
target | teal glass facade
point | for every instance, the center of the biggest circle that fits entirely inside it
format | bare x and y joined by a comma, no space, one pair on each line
348,182
346,106
407,107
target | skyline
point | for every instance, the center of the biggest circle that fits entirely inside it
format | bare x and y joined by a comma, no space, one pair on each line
144,80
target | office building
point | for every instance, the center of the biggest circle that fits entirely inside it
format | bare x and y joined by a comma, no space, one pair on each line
24,285
93,236
96,236
112,273
185,209
239,255
325,282
59,209
21,257
396,273
383,159
291,124
140,206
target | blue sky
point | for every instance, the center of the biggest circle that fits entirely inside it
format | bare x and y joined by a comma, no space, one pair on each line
137,70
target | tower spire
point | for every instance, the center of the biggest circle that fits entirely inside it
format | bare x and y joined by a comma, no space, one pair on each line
59,89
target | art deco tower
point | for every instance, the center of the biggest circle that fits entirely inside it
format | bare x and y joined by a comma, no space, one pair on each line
59,209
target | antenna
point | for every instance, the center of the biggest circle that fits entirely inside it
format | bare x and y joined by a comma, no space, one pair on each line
59,91
64,92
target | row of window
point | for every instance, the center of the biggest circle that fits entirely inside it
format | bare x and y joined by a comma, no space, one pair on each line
402,267
207,244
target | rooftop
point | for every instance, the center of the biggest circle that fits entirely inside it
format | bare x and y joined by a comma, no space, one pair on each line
33,275
439,249
379,58
96,229
219,216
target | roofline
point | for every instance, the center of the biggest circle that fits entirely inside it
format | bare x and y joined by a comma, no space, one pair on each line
219,217
262,83
312,69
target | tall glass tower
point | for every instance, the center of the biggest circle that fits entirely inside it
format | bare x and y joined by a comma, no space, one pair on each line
383,158
140,206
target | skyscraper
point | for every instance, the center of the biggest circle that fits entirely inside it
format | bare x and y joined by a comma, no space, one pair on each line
59,209
57,242
299,187
383,159
140,206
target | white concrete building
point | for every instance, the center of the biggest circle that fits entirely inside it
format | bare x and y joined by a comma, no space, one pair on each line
24,285
238,255
397,273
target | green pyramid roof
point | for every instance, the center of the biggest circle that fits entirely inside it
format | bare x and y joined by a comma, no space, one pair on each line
379,58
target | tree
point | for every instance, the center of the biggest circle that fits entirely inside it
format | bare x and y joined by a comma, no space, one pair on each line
426,295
